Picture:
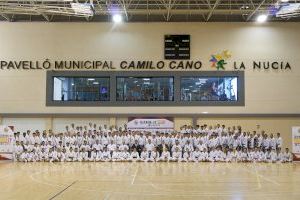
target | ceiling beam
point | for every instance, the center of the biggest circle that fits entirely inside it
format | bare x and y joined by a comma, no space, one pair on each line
5,16
255,10
212,10
124,6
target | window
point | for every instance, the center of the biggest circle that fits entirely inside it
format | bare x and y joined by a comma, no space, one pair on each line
145,89
209,89
80,88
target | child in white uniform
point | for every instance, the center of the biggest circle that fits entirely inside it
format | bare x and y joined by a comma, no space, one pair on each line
195,155
273,156
287,156
18,150
83,155
43,156
115,156
177,155
106,156
134,156
204,155
144,155
24,156
93,157
165,156
186,156
53,155
153,156
124,155
70,155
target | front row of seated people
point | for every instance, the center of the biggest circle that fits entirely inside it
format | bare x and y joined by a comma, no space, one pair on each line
215,155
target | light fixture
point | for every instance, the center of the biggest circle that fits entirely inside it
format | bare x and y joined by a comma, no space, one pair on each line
117,18
204,112
244,7
284,1
91,79
289,10
262,18
83,9
96,83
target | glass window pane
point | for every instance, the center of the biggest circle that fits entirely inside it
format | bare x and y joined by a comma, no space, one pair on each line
209,89
145,89
81,89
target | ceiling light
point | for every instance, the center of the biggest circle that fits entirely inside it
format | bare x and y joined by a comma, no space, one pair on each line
91,79
83,9
288,10
284,1
204,112
117,18
262,18
96,83
245,7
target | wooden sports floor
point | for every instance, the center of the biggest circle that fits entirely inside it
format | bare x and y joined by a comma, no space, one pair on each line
143,181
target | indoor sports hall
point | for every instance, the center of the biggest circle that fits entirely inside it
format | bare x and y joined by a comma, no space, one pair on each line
146,99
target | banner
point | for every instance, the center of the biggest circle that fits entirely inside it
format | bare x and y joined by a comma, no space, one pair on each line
296,143
151,124
6,142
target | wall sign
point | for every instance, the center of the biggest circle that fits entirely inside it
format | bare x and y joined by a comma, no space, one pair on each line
150,124
142,65
6,143
296,143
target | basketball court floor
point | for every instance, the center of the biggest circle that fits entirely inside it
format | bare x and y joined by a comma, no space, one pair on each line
145,181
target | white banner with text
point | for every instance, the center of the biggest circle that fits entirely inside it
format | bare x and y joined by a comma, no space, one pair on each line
151,124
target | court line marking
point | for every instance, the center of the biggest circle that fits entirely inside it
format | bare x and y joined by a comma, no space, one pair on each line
130,193
263,177
191,193
134,176
257,178
162,194
155,187
59,193
43,182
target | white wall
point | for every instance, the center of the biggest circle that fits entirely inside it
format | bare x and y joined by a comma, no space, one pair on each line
266,91
24,124
59,124
120,121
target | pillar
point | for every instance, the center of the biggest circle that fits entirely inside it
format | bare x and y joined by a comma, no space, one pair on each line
112,121
49,123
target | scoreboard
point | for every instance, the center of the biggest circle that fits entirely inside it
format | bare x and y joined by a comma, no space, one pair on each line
177,47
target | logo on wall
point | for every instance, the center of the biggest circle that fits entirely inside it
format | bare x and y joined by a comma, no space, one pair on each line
218,61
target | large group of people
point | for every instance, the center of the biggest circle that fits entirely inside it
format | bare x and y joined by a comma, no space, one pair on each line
191,144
